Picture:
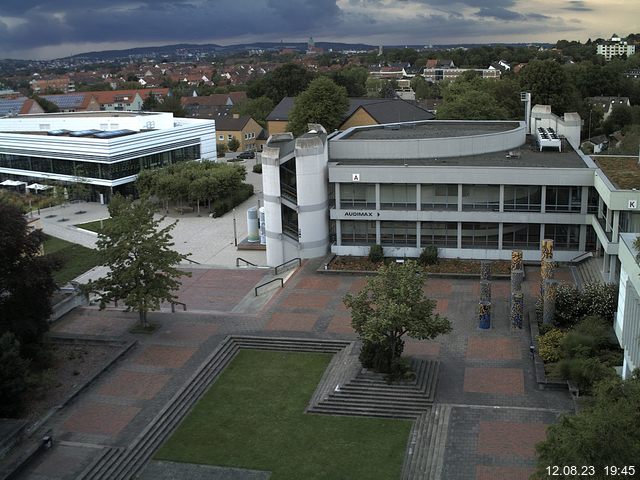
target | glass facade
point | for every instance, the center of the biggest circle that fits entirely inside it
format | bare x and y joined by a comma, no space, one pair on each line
358,195
521,236
439,197
563,199
353,232
522,198
480,235
288,183
481,197
290,222
398,234
105,171
565,237
398,196
440,234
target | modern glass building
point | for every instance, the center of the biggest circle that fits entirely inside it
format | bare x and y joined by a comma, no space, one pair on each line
105,150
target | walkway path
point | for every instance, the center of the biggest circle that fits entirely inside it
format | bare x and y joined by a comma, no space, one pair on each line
495,412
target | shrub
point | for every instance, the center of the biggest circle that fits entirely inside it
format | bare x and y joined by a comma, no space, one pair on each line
429,255
257,168
584,372
600,299
376,254
587,339
549,345
375,356
14,373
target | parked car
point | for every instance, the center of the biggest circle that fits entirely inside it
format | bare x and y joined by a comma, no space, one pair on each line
247,154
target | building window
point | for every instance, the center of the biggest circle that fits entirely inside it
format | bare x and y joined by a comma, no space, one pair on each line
522,198
358,195
221,138
439,197
440,234
565,237
563,199
398,196
593,200
480,235
290,222
521,235
481,197
398,234
230,137
354,232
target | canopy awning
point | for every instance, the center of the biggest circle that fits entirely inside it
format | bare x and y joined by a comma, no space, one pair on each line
12,183
38,186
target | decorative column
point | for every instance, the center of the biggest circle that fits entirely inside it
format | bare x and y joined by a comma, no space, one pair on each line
546,263
485,270
517,309
484,315
485,291
516,260
517,277
549,301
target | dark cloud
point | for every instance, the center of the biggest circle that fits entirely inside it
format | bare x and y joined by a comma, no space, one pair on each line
578,6
500,13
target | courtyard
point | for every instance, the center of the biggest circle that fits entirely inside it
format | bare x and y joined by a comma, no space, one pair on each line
487,383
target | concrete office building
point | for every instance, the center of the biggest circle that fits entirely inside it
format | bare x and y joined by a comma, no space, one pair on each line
627,323
105,150
475,189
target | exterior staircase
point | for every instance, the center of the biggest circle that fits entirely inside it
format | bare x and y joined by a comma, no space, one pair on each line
588,271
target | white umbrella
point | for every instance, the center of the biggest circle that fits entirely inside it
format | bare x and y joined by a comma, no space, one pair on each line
38,186
12,183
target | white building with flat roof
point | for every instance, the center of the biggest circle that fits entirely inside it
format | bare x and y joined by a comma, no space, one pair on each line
615,47
105,150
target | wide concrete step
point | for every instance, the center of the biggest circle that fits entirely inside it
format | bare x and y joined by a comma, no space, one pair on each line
365,412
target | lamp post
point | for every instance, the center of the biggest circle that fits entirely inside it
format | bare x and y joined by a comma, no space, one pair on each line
235,232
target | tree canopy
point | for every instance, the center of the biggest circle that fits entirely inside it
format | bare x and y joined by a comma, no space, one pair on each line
142,265
393,304
256,108
323,102
286,81
470,98
26,284
549,84
601,435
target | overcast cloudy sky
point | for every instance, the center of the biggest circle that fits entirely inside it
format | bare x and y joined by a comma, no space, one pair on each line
42,29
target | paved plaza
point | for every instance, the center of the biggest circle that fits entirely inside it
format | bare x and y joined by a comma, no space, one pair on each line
486,376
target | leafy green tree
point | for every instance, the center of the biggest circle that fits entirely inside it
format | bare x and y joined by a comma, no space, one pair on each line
391,305
142,265
47,105
233,144
26,284
221,149
388,89
549,84
620,117
470,98
287,80
323,102
150,104
14,371
424,89
599,435
256,108
172,104
354,79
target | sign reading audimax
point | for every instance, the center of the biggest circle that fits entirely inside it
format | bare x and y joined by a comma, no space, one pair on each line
361,213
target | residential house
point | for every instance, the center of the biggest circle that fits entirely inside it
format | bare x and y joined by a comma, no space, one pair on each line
608,103
19,106
595,144
243,128
54,84
127,100
361,111
615,47
74,102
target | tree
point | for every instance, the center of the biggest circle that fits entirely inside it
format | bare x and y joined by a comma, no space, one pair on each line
47,105
352,78
142,265
286,81
549,84
256,108
470,98
26,284
391,305
172,104
599,435
388,89
150,103
233,144
323,102
14,371
221,149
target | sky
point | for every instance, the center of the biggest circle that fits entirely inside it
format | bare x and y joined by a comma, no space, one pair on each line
46,29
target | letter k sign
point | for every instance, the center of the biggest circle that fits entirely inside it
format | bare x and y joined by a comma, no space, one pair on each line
633,204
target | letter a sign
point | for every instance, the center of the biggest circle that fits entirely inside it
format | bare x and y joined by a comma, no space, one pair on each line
355,177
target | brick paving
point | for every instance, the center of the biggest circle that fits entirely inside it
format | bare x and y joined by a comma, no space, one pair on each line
505,381
138,385
100,418
498,413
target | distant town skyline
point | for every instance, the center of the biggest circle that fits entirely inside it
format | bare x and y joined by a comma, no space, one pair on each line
38,29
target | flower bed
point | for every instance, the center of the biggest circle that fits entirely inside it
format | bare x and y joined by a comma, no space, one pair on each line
445,265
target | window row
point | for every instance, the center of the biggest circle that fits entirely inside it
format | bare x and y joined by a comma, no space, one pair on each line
107,171
445,234
517,198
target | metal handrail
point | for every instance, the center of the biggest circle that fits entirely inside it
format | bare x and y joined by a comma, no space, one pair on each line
192,261
173,306
245,261
581,257
297,259
267,283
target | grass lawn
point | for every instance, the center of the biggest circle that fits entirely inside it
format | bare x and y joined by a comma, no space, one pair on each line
253,417
92,226
75,259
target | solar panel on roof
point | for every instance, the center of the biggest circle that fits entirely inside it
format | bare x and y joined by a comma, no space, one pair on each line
11,106
65,101
57,133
